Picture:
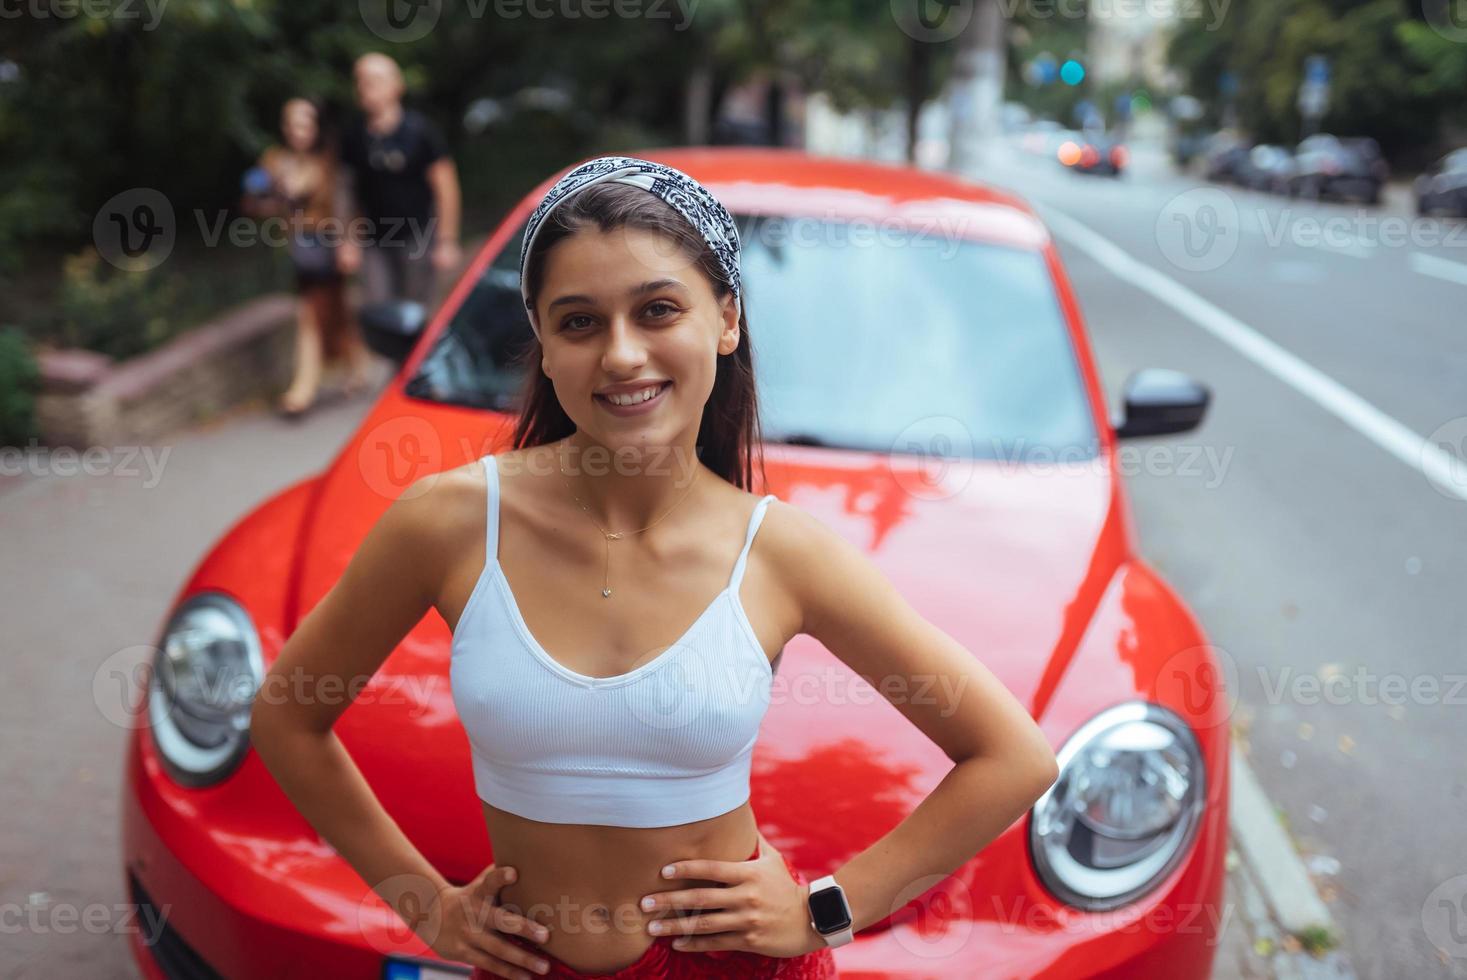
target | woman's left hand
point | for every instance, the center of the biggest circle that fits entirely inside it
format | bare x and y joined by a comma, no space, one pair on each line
760,909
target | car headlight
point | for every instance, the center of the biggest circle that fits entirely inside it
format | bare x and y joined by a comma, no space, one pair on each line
1124,809
204,678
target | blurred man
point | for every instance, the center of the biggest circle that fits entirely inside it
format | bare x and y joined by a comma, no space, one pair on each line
396,174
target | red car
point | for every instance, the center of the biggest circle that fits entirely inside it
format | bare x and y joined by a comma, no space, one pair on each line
927,390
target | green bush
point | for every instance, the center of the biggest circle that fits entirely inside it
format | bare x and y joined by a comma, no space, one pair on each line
105,309
20,379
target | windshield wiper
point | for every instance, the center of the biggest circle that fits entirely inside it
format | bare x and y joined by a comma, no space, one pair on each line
800,439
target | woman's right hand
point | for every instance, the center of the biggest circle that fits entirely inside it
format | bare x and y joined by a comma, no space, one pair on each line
464,927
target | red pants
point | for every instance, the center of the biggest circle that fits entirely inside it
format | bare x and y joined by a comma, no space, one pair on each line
662,962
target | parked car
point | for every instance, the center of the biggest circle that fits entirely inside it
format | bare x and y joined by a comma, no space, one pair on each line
883,360
1329,166
1443,188
1094,152
1266,168
1225,153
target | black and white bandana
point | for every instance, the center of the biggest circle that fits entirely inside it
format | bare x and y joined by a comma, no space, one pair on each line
688,197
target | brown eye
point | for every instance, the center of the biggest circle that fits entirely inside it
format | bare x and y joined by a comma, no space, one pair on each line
569,322
667,308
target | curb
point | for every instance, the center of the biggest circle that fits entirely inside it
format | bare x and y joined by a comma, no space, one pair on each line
1275,881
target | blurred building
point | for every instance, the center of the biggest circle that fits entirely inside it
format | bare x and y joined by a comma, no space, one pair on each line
1127,41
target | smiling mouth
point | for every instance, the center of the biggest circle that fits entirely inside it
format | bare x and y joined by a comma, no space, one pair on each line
639,397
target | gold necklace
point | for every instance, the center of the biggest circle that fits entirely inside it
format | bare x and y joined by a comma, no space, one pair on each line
611,536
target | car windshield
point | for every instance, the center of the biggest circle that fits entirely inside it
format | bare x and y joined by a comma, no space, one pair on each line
864,338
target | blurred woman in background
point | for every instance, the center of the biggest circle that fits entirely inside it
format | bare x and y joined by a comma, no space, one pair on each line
296,180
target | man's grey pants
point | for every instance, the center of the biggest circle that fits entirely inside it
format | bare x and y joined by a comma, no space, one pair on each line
398,271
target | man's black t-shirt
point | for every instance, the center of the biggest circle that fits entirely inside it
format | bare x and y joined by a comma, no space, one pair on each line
390,175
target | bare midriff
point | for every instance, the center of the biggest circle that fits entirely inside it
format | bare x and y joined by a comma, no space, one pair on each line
585,882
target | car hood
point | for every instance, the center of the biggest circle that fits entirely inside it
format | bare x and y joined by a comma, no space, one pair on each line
1008,558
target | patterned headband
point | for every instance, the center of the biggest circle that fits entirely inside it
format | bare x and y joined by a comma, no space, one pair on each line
688,197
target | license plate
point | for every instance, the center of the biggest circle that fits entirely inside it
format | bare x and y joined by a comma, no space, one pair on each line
411,968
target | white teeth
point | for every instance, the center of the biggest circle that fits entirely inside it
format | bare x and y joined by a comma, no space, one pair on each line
633,397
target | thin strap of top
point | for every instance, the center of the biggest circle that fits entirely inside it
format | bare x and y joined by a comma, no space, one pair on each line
491,521
758,515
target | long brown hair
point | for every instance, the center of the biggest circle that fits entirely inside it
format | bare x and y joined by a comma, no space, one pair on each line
729,434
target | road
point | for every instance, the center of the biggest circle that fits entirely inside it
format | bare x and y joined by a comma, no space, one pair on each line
1315,521
91,562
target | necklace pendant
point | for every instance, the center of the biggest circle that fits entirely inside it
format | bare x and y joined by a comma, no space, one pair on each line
606,592
613,535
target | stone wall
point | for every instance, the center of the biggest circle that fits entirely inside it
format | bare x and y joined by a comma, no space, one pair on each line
87,399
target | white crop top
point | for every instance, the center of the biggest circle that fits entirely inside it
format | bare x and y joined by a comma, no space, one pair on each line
668,742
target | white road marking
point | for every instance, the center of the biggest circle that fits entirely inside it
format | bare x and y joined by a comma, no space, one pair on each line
1431,461
1430,265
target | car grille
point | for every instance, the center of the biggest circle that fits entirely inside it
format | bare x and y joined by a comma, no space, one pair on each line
176,958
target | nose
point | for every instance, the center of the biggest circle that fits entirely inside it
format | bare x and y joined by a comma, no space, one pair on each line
625,350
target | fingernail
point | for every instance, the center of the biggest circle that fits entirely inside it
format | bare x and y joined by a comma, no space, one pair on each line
648,903
541,966
667,871
654,927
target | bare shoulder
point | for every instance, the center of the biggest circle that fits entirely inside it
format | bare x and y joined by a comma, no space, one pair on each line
807,557
430,516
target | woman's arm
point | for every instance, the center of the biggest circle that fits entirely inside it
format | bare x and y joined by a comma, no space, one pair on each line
1003,760
385,590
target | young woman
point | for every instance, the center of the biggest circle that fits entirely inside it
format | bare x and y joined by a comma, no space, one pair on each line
296,181
611,707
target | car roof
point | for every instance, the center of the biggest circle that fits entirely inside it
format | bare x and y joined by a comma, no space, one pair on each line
792,182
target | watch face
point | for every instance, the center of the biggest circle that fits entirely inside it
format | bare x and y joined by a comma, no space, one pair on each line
828,909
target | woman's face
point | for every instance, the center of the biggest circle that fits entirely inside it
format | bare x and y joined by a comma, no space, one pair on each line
626,306
298,124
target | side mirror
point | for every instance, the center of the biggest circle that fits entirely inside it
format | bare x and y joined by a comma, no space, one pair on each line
1159,400
392,328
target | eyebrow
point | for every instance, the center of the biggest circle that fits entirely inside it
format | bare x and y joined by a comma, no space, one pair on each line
646,287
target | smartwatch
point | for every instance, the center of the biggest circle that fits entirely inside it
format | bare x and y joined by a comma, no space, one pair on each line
830,913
